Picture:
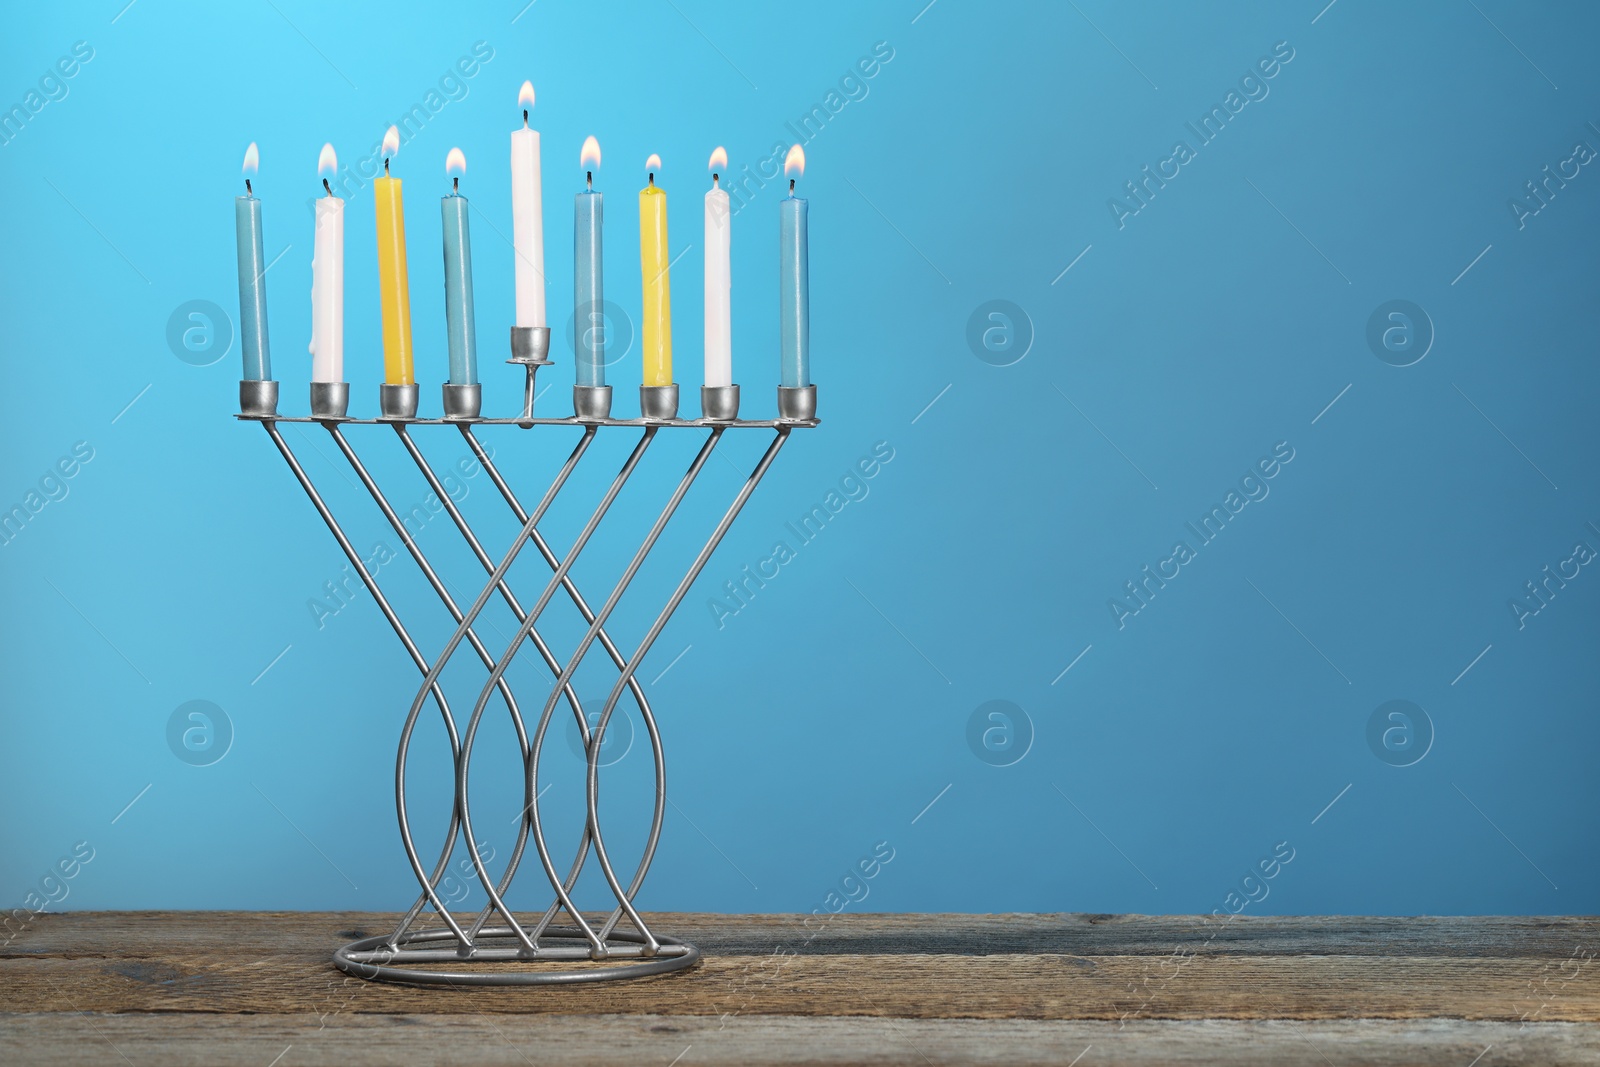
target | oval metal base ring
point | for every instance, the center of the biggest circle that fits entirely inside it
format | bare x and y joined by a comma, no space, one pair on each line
677,956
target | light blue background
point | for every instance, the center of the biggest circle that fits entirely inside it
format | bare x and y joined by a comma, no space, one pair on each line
1220,320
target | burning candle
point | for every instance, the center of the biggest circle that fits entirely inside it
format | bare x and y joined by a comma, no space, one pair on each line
394,291
719,323
655,329
327,278
458,315
252,283
527,217
588,291
794,280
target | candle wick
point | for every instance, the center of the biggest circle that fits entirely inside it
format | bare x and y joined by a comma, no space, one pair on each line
247,190
385,166
652,178
714,178
455,186
524,118
326,186
791,186
588,179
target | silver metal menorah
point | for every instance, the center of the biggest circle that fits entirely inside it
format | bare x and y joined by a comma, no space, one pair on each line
495,946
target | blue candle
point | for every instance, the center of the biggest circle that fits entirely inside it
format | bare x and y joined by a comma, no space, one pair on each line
588,291
252,283
794,282
458,317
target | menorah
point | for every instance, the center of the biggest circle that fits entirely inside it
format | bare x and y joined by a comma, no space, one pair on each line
485,948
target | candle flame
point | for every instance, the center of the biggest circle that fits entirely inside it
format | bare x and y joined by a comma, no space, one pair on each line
391,142
455,162
653,164
327,162
719,159
589,156
525,96
794,164
252,159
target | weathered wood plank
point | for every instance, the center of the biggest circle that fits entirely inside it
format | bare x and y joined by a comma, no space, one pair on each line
900,986
143,933
556,1040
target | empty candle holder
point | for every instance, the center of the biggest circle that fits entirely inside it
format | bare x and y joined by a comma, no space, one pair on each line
496,945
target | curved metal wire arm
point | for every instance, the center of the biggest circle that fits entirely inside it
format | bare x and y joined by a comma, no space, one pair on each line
483,949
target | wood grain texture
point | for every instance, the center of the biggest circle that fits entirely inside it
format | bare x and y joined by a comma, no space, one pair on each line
223,987
134,932
631,1040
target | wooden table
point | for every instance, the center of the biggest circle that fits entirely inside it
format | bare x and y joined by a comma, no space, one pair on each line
256,988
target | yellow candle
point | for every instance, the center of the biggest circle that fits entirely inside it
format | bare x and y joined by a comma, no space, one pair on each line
655,332
394,292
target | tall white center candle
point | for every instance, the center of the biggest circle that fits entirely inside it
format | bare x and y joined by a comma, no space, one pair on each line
527,217
719,323
327,281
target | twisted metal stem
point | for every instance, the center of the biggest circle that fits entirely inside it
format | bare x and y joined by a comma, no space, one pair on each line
624,900
391,956
400,530
593,781
523,825
605,641
499,669
431,677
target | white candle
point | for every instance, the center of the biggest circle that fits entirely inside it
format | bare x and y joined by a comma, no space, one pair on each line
719,324
527,217
327,281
